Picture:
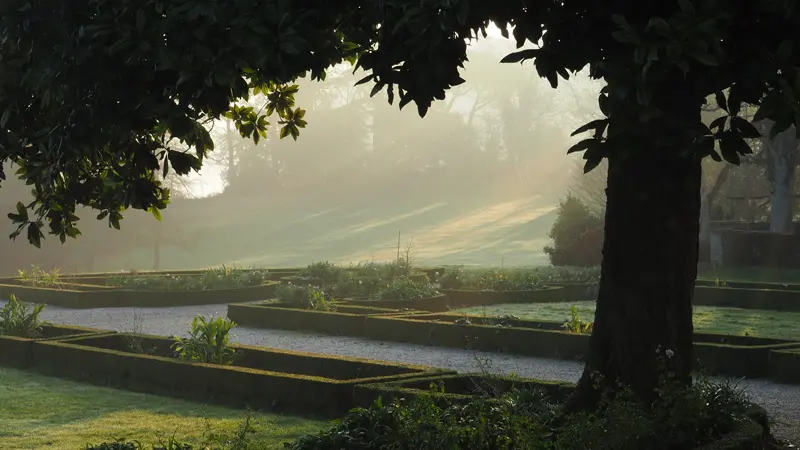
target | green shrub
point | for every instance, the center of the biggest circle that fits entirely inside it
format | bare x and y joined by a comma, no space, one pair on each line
208,342
305,297
325,272
405,289
682,418
577,235
17,319
219,278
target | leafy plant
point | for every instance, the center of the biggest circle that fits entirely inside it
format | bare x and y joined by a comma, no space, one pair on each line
517,279
576,324
405,289
17,319
305,297
37,276
208,341
374,269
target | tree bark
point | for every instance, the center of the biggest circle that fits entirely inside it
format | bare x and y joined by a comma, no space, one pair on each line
643,320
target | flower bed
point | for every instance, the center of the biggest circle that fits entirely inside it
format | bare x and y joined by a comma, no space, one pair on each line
260,378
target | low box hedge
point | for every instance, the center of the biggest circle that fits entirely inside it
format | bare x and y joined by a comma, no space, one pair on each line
784,366
438,303
465,298
455,388
260,378
96,297
769,299
17,351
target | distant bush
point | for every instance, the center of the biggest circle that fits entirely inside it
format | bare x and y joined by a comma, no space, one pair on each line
577,235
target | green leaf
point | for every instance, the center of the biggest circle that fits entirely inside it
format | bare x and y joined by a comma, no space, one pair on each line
583,145
686,6
4,119
599,124
721,101
22,211
35,235
521,56
745,128
156,213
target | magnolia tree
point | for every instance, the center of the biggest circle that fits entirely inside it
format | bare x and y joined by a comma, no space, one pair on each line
94,92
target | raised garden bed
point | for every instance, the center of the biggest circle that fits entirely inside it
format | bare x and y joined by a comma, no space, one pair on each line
18,351
305,281
465,298
784,366
746,298
436,303
260,378
80,297
456,388
346,320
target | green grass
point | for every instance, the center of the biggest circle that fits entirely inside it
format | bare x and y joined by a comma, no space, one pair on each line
708,319
752,274
42,412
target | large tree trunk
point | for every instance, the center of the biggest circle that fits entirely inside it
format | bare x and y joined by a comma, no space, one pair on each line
781,163
643,321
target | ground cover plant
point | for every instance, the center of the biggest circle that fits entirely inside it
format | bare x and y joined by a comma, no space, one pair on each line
21,320
679,418
215,278
752,274
44,412
516,279
405,289
708,319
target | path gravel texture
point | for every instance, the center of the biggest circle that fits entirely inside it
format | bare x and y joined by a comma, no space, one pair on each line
782,401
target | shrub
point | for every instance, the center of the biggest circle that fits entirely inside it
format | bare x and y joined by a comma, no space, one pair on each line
405,289
325,272
208,342
577,235
491,279
305,297
40,277
374,269
17,319
526,419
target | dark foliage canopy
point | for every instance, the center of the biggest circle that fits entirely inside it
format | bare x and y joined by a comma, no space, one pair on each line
100,98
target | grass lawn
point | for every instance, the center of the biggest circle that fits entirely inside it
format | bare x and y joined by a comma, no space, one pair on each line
734,321
41,412
752,274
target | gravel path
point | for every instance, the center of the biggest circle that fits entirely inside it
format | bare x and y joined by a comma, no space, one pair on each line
782,401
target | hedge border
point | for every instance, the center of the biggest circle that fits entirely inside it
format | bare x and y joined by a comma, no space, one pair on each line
77,299
293,319
537,339
467,298
784,366
745,298
229,385
17,351
367,394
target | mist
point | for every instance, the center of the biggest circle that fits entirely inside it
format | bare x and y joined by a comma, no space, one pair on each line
475,182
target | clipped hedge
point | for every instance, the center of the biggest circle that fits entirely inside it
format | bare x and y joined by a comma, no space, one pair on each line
455,388
438,303
80,297
465,298
345,321
784,366
261,378
769,299
18,352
